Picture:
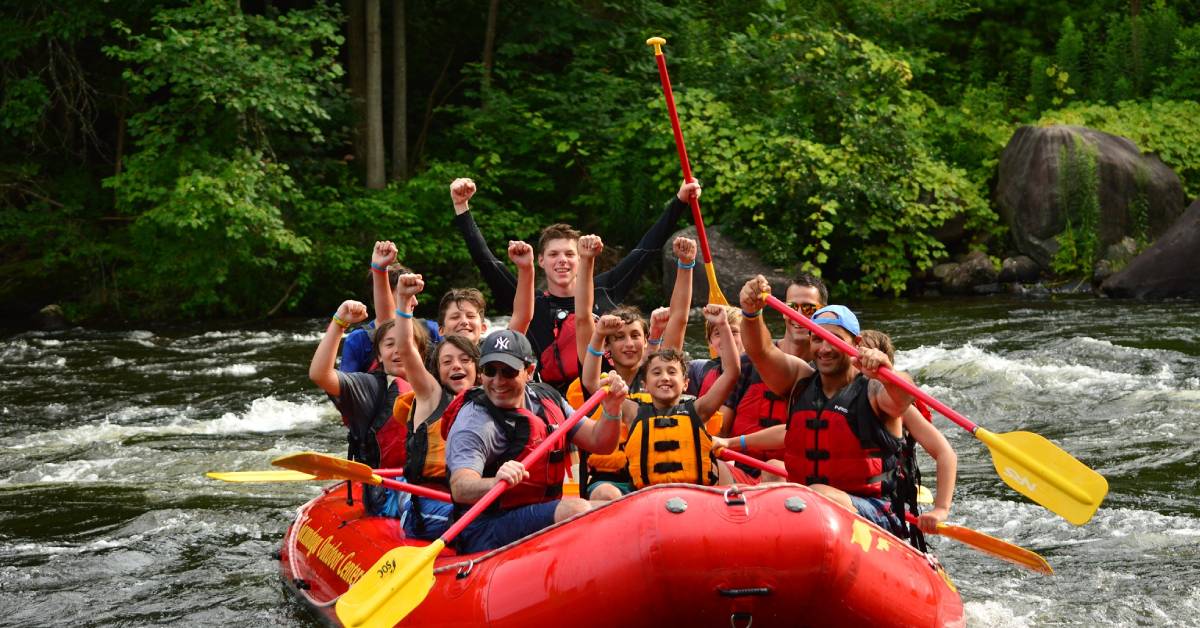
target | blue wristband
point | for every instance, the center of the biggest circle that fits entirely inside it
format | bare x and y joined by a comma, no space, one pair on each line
685,266
403,314
594,352
743,441
746,314
655,341
377,268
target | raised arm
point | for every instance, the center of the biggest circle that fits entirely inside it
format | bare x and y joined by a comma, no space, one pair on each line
681,294
619,281
592,360
777,369
887,398
321,370
601,437
590,246
425,386
495,274
521,255
715,397
946,461
381,289
658,326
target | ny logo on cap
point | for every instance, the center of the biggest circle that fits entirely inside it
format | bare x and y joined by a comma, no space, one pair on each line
501,344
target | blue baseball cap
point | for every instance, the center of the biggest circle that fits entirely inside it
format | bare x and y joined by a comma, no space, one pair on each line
843,318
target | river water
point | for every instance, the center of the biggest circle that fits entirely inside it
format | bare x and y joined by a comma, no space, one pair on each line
106,516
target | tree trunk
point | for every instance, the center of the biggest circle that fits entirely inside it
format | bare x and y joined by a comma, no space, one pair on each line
489,42
399,94
375,163
357,69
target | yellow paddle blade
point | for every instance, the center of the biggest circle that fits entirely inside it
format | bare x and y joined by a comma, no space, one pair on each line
714,289
923,495
260,476
1043,472
323,465
993,546
391,588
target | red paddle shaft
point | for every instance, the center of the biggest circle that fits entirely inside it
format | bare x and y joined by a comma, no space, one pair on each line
885,373
679,146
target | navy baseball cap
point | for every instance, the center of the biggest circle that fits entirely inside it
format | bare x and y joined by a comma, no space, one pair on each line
507,347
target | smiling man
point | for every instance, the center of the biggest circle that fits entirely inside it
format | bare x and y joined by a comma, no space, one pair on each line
552,330
500,422
843,432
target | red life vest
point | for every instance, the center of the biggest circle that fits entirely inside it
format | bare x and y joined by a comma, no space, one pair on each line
840,442
379,443
523,431
708,376
759,408
559,361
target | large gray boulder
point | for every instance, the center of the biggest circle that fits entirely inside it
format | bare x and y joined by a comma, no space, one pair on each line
1168,268
1027,188
733,265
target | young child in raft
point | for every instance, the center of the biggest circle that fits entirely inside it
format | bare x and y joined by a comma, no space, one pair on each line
626,348
456,362
919,424
666,440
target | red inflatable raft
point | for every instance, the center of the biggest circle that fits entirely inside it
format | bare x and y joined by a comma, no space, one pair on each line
675,554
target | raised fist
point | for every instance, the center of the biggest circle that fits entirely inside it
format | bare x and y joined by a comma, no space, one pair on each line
352,311
685,249
461,191
751,297
520,253
590,246
408,285
384,253
609,325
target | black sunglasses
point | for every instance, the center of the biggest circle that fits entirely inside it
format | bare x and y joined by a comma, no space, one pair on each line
493,369
807,309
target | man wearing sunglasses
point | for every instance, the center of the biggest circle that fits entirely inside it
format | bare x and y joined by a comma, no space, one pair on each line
500,422
805,294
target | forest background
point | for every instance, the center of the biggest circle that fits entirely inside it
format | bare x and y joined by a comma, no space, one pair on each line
165,160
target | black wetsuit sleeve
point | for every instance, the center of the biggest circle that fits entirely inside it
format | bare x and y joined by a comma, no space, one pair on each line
496,275
616,283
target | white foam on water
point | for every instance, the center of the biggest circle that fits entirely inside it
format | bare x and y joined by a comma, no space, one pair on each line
993,614
234,370
48,363
970,362
115,362
265,414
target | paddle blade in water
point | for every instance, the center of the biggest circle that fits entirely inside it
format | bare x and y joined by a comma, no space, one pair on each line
260,476
391,588
326,466
993,546
1043,472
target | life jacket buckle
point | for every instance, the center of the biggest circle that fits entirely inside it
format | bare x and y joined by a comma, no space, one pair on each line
663,422
768,422
816,424
816,454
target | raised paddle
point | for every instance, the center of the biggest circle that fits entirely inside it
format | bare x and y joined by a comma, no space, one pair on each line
714,290
282,476
325,466
401,578
989,545
1032,465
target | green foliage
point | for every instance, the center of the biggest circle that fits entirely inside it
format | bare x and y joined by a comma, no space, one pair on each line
824,156
1165,128
212,206
1079,199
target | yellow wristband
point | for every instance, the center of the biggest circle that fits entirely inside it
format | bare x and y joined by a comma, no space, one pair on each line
339,322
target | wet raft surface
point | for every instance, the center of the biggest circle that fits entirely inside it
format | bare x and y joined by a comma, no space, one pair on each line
105,515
